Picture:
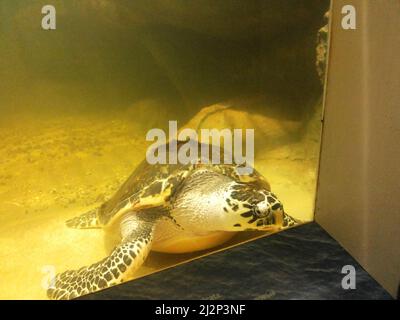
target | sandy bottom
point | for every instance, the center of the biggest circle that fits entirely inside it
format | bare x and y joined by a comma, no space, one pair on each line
52,169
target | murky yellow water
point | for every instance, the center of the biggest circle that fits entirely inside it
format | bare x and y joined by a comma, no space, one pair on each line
78,101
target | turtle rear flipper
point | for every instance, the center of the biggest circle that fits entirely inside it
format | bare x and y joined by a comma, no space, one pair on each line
125,259
87,220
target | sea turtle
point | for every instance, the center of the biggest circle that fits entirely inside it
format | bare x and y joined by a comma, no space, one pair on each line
171,208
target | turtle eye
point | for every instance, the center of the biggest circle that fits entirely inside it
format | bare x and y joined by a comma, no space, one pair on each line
257,211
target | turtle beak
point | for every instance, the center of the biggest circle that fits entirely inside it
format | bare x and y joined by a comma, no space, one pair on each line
270,223
278,217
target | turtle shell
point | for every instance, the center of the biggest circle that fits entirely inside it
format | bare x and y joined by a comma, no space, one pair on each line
155,184
149,185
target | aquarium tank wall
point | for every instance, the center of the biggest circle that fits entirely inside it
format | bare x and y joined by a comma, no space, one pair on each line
79,96
359,169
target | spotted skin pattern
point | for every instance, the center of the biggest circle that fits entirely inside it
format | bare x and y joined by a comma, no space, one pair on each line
245,199
124,260
144,193
87,220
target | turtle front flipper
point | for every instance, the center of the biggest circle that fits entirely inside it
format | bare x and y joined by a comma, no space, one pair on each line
87,220
123,261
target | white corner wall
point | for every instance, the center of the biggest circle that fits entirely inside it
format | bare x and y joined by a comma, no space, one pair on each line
358,197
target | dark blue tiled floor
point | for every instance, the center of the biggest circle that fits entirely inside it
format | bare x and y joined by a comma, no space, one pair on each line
300,263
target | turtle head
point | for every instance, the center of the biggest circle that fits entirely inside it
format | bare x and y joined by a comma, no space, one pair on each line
266,211
259,209
271,215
